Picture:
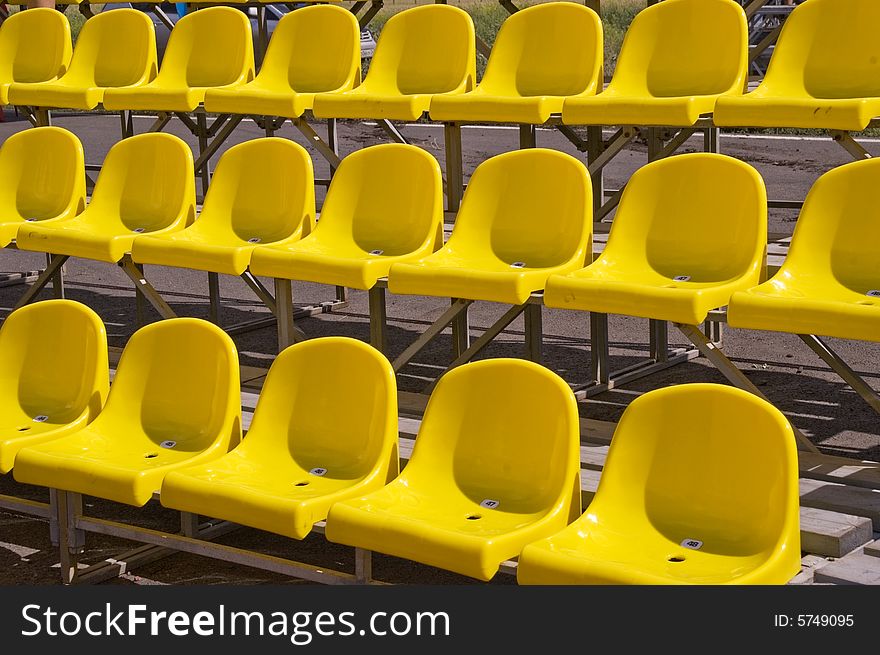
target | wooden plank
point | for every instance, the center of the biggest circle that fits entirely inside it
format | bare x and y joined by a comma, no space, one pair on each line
832,534
854,569
841,498
858,473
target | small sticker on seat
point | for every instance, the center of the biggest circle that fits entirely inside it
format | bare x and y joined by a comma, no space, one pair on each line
682,278
693,544
31,220
488,503
42,418
376,252
874,293
518,265
319,471
138,230
168,444
254,240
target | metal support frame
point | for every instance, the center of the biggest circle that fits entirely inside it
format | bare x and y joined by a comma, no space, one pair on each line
527,136
853,379
458,307
534,331
454,172
735,376
378,318
50,274
323,148
392,131
461,330
214,298
848,143
604,379
288,333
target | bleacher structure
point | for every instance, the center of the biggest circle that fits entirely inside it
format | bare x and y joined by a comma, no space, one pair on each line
485,489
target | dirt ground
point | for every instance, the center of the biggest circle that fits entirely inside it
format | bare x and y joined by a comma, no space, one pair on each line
815,400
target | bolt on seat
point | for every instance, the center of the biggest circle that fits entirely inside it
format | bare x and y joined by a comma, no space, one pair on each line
678,57
384,205
824,72
145,186
52,381
42,179
482,481
689,232
312,50
700,487
208,48
115,48
296,461
525,216
262,193
175,402
421,52
542,55
829,283
35,46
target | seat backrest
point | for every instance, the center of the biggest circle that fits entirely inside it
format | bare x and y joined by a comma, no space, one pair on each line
262,189
42,173
501,425
179,380
314,50
52,370
209,47
427,49
684,48
549,49
147,181
35,46
115,48
696,460
839,228
316,379
387,197
698,215
828,49
532,206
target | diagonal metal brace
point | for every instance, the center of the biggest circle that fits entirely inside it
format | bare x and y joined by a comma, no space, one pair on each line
457,307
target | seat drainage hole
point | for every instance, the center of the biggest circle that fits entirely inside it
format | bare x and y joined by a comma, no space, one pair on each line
865,302
151,455
139,230
301,484
25,429
676,559
474,517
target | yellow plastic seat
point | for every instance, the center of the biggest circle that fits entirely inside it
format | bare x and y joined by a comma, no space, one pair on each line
824,72
52,381
483,481
542,55
175,402
421,52
295,464
145,186
42,178
384,205
114,49
525,216
678,57
689,232
313,50
263,192
829,283
208,48
700,487
35,46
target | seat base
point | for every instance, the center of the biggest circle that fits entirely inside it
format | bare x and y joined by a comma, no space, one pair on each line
623,110
257,100
363,105
482,107
853,316
153,97
56,94
852,115
74,241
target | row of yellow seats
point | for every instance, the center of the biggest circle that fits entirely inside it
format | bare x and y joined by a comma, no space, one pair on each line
689,235
700,486
680,60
